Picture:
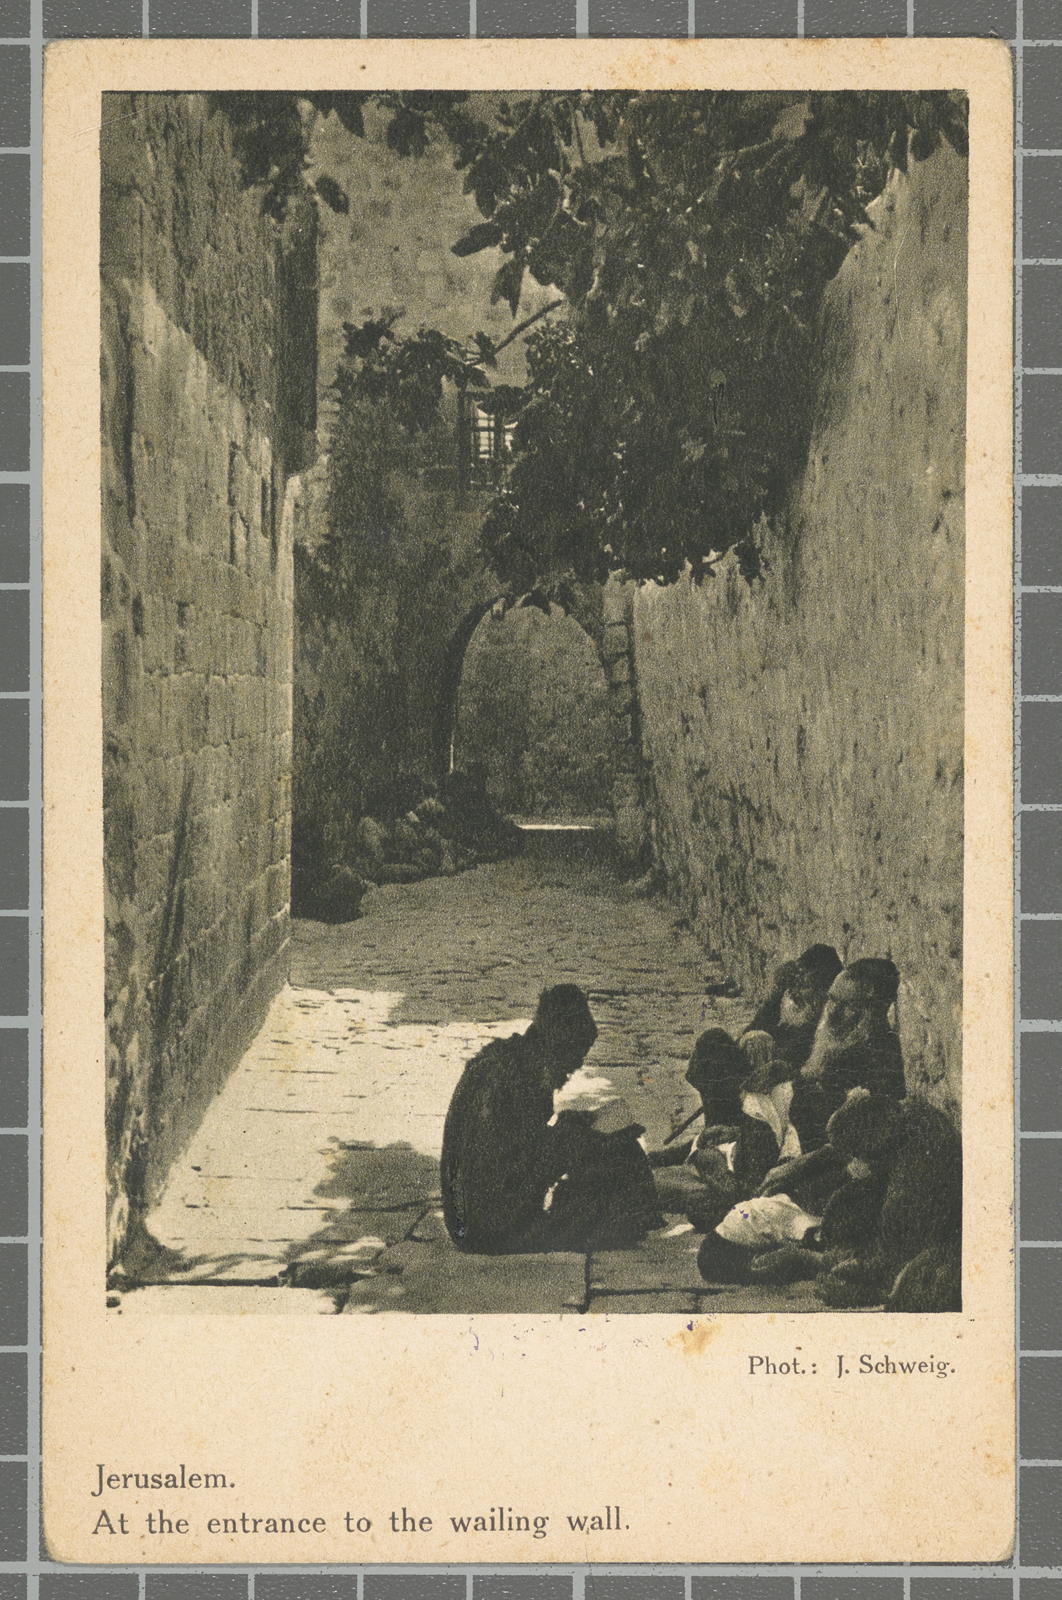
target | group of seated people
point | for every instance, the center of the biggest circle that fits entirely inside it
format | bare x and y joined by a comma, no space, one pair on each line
414,828
812,1161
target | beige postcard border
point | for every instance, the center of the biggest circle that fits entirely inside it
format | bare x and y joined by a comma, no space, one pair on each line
547,1415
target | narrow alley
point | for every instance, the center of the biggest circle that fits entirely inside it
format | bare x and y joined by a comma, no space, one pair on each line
312,1184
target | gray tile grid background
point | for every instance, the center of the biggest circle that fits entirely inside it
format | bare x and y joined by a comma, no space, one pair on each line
1036,25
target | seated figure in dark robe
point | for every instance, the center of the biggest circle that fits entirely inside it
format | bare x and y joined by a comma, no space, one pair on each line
472,820
746,1092
855,1047
790,1012
516,1178
892,1232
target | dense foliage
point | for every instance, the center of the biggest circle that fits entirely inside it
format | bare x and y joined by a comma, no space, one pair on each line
533,711
691,235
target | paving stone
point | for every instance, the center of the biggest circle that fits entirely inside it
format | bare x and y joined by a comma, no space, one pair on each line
426,1277
662,1261
319,1158
660,1302
730,1299
205,1265
197,1301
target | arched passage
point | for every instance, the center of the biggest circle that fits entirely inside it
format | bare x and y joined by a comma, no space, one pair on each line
533,711
602,615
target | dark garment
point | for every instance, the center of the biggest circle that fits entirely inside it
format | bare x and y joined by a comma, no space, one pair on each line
810,1179
606,1199
914,1236
876,1065
473,823
792,1041
809,1113
755,1153
499,1155
500,1159
852,1216
923,1198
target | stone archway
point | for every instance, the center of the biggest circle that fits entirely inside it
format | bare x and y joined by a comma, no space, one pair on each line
603,613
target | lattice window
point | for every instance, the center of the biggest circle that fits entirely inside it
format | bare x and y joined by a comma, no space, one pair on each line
486,444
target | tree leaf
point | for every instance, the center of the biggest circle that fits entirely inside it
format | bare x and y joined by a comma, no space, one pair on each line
507,283
485,346
407,134
481,237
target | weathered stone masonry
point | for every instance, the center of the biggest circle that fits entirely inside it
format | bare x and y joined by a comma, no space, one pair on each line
208,360
805,735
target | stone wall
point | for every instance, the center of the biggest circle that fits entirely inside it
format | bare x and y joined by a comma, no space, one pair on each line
207,306
377,614
390,586
805,735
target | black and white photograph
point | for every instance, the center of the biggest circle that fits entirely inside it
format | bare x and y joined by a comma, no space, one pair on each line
533,558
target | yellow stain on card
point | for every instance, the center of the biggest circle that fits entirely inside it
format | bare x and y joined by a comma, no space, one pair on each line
694,1338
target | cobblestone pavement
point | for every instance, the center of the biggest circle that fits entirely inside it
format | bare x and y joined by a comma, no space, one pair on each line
312,1185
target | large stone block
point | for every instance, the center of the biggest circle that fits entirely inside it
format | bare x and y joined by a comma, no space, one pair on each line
796,726
664,1261
433,1276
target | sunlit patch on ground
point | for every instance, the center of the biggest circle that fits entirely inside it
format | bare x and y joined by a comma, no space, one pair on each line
313,1182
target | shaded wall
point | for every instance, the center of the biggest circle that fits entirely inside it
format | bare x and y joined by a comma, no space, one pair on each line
389,572
380,597
208,317
804,735
393,249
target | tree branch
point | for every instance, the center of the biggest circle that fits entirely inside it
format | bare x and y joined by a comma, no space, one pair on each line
522,326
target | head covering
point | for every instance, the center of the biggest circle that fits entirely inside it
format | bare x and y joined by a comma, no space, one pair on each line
717,1068
564,1009
881,976
821,963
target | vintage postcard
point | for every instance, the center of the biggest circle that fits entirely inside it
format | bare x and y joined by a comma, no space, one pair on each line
528,1004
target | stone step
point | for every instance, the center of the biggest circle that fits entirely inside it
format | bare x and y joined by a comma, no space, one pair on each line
433,1276
664,1260
197,1300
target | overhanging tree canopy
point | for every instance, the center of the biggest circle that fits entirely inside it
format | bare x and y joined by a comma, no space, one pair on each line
691,235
